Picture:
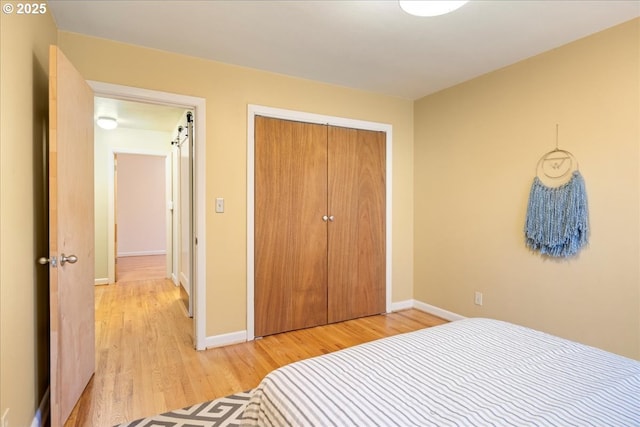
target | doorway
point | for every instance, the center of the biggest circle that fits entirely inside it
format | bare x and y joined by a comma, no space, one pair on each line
143,130
197,106
143,231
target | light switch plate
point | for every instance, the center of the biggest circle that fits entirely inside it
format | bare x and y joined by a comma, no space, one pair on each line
219,205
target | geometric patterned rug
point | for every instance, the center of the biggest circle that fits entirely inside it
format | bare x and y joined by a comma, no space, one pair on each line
224,412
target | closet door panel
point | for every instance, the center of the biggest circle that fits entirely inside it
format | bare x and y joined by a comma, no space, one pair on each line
356,281
290,235
371,224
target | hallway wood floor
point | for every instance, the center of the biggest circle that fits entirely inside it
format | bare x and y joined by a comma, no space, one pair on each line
133,268
146,364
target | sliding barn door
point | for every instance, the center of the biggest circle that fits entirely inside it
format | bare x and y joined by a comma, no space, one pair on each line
290,233
356,234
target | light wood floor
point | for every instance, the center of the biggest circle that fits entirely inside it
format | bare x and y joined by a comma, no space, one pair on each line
133,268
146,364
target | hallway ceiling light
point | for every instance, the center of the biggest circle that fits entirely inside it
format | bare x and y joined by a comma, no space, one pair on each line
107,123
430,7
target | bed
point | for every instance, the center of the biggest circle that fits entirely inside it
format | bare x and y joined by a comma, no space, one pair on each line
471,372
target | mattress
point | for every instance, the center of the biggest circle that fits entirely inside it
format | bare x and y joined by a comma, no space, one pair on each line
471,372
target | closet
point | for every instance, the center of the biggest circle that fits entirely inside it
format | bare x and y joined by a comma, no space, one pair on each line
319,224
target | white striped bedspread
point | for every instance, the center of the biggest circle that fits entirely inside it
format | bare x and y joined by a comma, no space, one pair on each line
472,372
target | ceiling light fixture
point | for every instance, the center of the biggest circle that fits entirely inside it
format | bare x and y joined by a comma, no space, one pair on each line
430,7
107,123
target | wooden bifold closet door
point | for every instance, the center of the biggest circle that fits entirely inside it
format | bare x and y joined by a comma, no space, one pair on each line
319,224
290,236
356,200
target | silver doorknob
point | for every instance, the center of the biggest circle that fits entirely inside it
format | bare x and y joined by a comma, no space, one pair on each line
44,261
71,259
325,218
331,218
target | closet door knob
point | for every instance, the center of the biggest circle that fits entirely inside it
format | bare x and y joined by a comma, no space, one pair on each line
325,218
331,218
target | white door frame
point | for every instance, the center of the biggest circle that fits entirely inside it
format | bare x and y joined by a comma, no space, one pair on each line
198,105
255,110
111,199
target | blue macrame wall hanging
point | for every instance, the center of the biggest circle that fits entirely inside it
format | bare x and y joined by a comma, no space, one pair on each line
557,221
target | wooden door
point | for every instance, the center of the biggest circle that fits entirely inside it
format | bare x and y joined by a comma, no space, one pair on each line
356,279
71,234
290,233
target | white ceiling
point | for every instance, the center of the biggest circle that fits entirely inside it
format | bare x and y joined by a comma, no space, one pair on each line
368,45
138,115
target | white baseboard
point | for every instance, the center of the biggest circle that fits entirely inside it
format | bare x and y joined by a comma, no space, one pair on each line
225,339
241,336
184,281
142,253
402,305
42,414
427,308
437,311
101,281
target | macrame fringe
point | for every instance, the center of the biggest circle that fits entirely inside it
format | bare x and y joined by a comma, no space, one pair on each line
557,218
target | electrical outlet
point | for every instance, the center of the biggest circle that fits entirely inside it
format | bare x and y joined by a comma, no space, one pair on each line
478,298
5,418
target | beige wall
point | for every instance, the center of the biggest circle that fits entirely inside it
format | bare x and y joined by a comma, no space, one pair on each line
141,205
228,90
24,346
476,149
